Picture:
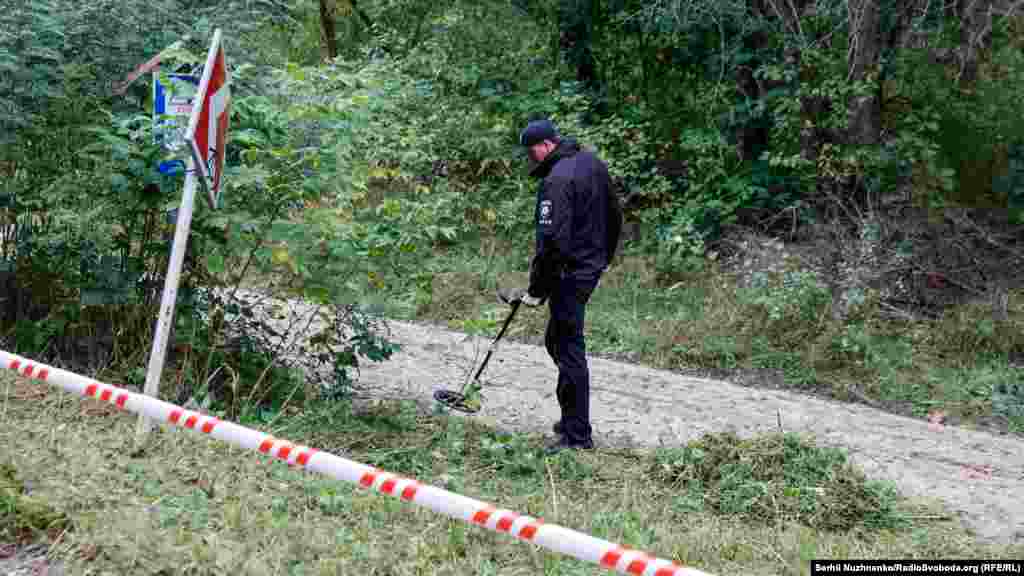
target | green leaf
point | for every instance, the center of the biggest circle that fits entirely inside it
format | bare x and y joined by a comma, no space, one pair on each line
215,263
280,256
118,182
319,294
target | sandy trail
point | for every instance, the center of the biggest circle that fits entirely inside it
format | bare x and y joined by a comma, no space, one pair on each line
976,474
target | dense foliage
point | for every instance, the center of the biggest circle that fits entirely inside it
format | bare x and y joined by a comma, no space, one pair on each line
366,135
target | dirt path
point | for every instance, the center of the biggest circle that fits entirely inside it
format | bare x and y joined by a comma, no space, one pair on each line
976,474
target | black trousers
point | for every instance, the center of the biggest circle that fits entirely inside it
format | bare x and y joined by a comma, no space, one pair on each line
565,344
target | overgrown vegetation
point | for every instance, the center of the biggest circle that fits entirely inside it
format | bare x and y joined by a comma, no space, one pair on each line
820,195
373,175
88,219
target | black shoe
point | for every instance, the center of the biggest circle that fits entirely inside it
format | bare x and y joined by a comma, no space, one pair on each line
564,443
559,428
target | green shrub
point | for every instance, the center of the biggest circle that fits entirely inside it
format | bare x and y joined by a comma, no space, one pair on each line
790,307
1008,396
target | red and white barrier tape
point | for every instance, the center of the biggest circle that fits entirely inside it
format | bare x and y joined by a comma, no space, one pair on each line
563,540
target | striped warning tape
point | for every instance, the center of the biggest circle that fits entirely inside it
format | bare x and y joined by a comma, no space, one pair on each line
551,536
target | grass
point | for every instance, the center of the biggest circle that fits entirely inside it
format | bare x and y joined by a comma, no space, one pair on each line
776,476
24,517
780,335
191,505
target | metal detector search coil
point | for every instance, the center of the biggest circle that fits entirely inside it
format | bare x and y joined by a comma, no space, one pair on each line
463,400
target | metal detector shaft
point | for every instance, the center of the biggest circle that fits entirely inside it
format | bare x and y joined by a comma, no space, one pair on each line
494,344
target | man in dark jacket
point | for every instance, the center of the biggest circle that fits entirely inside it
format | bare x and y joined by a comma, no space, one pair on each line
578,224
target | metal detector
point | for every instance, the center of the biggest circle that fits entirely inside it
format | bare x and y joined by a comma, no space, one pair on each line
461,401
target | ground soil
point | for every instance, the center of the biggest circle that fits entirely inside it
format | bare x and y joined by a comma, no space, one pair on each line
977,475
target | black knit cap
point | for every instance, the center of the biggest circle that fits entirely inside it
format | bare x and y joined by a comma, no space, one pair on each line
537,132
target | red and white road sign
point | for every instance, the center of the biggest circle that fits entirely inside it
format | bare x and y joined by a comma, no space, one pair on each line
208,126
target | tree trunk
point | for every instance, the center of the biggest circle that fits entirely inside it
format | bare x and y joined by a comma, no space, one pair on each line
576,25
865,49
328,25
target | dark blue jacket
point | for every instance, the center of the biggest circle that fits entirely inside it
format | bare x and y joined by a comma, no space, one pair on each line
578,218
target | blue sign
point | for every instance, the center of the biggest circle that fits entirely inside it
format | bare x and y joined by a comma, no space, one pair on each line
172,108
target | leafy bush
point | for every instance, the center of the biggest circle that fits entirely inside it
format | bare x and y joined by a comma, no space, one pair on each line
791,305
101,242
93,243
1008,397
679,242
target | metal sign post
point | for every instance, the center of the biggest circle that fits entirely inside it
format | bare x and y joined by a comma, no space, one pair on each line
158,354
206,136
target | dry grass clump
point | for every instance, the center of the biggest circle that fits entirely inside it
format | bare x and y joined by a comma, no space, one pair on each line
777,478
974,329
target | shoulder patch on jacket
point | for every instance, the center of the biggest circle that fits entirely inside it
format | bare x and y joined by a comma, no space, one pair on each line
544,218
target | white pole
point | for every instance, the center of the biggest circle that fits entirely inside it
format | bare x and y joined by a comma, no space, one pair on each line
165,320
